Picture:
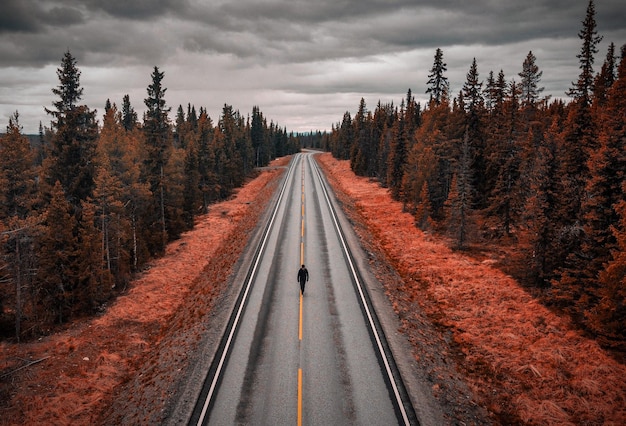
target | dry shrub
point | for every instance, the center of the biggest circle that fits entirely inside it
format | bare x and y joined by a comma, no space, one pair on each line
522,361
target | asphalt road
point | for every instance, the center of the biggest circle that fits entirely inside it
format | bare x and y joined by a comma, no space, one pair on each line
309,359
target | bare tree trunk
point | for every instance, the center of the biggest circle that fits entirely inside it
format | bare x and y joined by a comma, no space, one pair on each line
163,228
134,226
18,292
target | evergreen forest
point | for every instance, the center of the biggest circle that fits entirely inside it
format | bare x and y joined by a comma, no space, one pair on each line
500,164
87,205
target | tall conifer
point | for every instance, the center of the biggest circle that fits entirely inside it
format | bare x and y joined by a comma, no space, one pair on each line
158,143
70,159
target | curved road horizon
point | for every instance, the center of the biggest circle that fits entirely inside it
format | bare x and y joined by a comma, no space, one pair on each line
311,359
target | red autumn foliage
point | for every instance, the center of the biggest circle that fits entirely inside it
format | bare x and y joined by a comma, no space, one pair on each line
523,362
88,359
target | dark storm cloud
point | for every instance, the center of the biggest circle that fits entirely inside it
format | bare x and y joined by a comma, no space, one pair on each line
140,10
280,31
15,16
26,16
314,30
275,51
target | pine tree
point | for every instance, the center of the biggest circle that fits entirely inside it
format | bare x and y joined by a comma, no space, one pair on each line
472,91
345,136
158,137
460,222
129,116
579,139
208,181
433,134
531,76
475,108
360,145
192,116
495,92
438,86
181,128
539,212
412,115
57,248
17,174
606,215
504,160
72,148
17,199
397,159
423,212
419,170
608,317
235,152
380,121
118,180
175,195
497,133
191,192
605,79
582,90
259,139
94,280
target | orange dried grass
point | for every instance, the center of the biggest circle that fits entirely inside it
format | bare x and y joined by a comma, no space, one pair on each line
522,359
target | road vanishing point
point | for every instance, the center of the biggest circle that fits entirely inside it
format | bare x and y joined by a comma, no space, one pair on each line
315,359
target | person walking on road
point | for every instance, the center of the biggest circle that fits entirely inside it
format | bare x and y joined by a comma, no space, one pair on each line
303,277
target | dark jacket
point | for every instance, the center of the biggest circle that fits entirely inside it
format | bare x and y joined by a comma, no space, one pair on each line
303,275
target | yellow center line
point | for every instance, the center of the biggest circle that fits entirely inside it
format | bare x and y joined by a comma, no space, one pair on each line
301,306
299,397
300,322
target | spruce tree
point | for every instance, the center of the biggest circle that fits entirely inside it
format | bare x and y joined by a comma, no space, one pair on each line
582,89
158,144
129,116
17,174
208,181
605,79
539,213
605,216
57,248
397,159
505,162
94,279
233,166
438,85
460,211
475,109
579,139
119,180
70,158
191,191
360,150
18,222
529,85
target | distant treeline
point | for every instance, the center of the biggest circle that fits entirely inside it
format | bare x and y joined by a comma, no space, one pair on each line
85,206
500,162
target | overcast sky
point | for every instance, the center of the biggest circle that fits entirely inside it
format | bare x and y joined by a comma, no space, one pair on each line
303,62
